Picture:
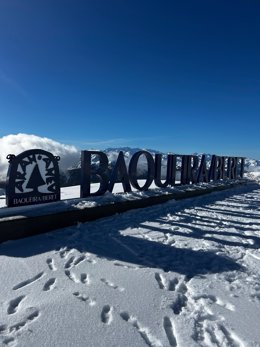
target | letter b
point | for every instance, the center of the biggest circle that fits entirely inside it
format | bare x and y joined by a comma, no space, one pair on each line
87,172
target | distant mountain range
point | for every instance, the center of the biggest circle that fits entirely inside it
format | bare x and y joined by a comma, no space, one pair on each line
112,154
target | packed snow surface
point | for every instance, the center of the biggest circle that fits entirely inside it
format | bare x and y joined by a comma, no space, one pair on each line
182,274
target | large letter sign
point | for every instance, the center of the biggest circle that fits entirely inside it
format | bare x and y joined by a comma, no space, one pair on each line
190,168
32,178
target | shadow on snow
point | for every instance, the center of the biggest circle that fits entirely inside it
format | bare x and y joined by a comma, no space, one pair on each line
103,237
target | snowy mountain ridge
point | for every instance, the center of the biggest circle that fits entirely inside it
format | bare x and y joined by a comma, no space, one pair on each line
112,154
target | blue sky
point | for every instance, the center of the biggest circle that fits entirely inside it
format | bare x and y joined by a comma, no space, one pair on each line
179,76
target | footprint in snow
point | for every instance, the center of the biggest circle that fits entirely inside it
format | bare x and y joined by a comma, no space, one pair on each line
144,332
51,265
32,316
84,278
49,285
29,281
169,331
112,285
85,298
74,261
106,314
179,289
9,333
212,299
165,284
207,328
181,300
65,252
10,342
14,304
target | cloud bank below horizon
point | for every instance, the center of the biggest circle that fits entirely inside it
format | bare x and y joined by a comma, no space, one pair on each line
18,143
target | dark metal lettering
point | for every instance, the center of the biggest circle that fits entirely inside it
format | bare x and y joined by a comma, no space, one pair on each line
242,167
133,170
203,172
33,176
232,168
158,171
185,169
194,169
87,172
172,169
212,170
217,167
224,173
120,174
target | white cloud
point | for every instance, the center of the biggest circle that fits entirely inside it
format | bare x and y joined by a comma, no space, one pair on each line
16,144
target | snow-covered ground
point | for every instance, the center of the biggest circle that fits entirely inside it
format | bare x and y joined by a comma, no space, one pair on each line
180,274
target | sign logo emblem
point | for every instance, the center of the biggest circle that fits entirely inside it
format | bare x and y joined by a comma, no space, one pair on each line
32,178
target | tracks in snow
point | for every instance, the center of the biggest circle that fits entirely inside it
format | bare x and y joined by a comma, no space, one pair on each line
106,314
144,332
29,281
